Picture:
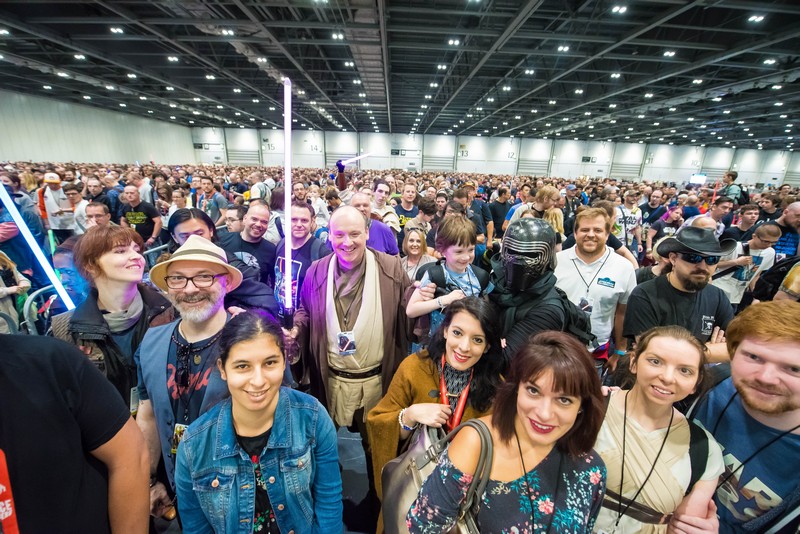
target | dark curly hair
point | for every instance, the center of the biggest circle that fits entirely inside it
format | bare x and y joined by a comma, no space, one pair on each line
247,326
488,371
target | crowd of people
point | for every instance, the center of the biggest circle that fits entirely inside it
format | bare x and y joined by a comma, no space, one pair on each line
631,347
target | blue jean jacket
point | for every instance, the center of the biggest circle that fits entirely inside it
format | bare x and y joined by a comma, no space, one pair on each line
216,485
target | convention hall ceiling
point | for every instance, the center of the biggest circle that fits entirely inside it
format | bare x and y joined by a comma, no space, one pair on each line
713,72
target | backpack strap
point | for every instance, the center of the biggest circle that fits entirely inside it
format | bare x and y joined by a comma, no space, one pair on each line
316,247
729,270
698,453
279,225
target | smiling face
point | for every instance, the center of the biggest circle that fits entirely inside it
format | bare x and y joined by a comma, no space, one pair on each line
123,263
197,304
591,235
465,341
256,222
767,376
458,257
414,244
254,372
348,236
667,371
544,415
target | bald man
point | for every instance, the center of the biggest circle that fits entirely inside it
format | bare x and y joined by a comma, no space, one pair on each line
381,237
351,325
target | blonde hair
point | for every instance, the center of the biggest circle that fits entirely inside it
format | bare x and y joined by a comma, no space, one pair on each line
545,192
5,262
555,217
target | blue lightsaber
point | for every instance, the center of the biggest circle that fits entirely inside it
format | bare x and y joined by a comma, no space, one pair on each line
35,248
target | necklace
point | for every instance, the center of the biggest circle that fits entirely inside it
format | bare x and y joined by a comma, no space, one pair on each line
758,451
528,487
621,511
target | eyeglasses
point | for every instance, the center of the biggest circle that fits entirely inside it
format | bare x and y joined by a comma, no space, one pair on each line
199,280
231,219
767,242
697,258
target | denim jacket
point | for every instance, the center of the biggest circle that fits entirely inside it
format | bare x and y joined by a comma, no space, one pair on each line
215,481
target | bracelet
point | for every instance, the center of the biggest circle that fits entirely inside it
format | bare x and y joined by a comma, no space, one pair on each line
402,424
439,302
619,352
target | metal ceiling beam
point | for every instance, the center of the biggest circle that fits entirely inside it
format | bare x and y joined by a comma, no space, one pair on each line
710,59
385,59
634,34
279,45
48,35
519,20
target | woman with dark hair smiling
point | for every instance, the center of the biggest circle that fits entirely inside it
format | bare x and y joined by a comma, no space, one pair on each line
264,460
545,476
461,368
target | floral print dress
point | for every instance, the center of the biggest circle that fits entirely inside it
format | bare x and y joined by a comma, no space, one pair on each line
563,494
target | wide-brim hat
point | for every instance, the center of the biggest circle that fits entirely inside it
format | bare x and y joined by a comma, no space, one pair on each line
697,240
196,248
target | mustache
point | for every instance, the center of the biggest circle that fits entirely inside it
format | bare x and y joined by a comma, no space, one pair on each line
191,299
767,388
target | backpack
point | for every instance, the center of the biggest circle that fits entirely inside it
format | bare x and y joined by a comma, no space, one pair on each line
576,321
770,281
437,277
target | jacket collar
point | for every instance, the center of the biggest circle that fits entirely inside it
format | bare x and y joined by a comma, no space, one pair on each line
88,313
280,438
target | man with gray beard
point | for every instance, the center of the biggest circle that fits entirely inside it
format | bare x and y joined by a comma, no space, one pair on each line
178,376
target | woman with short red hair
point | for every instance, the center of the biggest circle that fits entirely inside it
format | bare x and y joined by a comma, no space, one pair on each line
109,325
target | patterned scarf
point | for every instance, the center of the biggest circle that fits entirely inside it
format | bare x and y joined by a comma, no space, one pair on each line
455,381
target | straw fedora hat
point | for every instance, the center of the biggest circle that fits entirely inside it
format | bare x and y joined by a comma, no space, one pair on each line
196,248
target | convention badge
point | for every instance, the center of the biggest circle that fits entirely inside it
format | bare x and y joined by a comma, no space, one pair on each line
8,516
177,436
134,402
586,304
347,343
606,282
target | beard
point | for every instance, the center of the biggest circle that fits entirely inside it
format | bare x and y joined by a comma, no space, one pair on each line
213,299
783,403
692,284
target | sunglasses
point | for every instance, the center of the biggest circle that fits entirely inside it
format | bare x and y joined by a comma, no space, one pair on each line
697,258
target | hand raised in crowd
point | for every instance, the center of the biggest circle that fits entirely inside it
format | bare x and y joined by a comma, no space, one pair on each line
427,413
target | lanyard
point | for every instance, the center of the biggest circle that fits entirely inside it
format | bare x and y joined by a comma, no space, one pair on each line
596,274
455,418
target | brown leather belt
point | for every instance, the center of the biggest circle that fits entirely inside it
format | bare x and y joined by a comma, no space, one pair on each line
356,376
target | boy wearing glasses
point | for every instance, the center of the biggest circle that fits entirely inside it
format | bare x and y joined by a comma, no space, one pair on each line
178,375
739,270
684,297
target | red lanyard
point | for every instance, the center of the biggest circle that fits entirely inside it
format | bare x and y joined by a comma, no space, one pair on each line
455,418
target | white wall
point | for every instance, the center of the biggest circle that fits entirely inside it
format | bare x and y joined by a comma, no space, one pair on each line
42,129
672,163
